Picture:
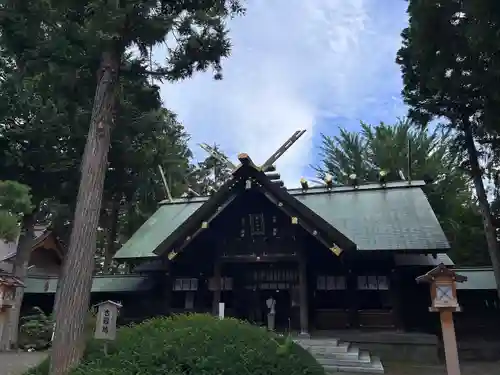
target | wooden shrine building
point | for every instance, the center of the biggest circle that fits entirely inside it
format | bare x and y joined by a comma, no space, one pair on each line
332,257
339,261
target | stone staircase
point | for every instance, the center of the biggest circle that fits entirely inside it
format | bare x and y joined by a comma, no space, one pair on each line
338,356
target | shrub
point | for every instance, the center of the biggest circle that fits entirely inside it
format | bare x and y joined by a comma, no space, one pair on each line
196,345
35,331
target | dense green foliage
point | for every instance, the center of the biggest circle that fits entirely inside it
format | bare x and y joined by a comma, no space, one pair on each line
35,330
15,201
209,174
432,155
195,344
51,54
44,41
451,69
386,147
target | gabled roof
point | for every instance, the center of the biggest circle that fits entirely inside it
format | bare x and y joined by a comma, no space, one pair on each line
396,217
424,260
8,250
10,280
308,219
157,228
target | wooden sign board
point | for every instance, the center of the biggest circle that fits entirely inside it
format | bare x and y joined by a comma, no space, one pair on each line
107,312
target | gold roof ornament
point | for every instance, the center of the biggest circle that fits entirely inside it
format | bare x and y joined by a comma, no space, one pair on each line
336,250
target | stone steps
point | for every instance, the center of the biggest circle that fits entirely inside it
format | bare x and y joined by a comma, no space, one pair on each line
338,356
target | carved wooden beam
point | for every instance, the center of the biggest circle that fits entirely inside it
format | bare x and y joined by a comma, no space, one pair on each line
330,246
245,160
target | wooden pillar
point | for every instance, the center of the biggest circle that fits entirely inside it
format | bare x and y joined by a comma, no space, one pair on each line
167,285
352,290
3,324
395,290
201,293
303,292
167,295
217,286
450,342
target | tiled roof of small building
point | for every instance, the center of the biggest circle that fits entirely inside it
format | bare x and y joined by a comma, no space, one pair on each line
10,280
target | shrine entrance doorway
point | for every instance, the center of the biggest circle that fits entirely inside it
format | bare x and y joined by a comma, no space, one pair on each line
254,283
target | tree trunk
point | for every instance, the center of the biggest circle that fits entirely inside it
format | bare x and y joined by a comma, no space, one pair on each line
112,229
21,260
130,228
489,229
76,280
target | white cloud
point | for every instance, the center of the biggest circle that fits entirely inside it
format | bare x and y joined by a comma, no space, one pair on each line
293,61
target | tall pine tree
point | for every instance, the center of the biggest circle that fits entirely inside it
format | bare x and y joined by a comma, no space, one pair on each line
450,65
111,28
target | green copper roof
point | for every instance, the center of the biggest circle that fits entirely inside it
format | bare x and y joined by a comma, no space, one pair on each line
398,217
158,227
381,219
477,278
100,284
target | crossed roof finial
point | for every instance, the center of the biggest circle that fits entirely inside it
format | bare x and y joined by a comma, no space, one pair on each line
246,160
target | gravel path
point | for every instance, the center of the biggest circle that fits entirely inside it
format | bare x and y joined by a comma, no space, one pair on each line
467,368
18,362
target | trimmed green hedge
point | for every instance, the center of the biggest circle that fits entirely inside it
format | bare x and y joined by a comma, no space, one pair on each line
195,345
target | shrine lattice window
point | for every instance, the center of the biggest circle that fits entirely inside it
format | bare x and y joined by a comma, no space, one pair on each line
188,284
331,283
373,282
373,292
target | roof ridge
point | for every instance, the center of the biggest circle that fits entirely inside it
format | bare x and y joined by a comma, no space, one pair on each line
318,190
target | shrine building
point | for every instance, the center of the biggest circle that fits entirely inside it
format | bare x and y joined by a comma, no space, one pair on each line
332,257
339,261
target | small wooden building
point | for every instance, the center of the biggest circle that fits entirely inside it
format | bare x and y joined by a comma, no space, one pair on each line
47,253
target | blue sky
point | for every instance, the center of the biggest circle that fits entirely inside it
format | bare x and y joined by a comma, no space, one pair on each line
296,64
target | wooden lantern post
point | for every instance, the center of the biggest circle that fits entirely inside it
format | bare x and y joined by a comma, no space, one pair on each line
8,285
443,283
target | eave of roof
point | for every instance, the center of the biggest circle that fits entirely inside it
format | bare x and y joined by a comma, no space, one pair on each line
478,278
100,284
395,217
424,260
